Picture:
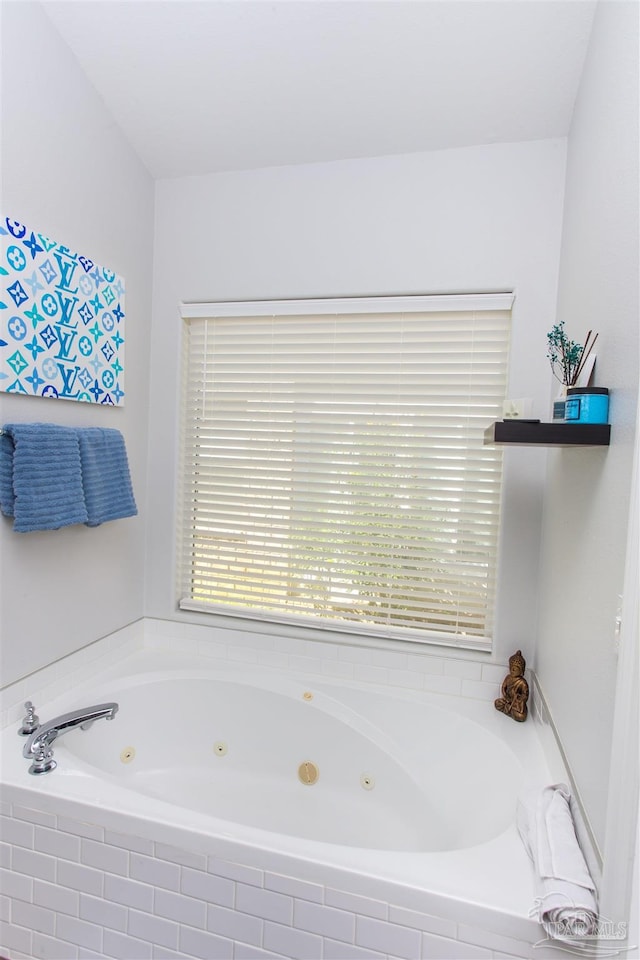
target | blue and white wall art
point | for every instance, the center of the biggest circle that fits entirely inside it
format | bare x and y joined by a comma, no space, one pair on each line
61,321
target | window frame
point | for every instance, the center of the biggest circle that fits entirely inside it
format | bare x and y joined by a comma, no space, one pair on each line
500,301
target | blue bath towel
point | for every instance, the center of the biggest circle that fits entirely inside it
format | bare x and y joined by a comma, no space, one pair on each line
41,476
106,480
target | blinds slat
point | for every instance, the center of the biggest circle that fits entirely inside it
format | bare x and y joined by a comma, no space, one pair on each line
333,467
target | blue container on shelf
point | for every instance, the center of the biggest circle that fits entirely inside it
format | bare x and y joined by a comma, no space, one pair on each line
587,405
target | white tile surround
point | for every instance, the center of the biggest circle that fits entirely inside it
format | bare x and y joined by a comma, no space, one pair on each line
74,887
431,669
73,890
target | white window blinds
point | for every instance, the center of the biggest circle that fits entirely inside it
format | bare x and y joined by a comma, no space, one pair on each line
333,467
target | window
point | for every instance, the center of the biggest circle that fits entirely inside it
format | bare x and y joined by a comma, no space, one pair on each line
333,467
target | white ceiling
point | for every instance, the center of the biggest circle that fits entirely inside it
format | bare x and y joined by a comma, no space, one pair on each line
208,85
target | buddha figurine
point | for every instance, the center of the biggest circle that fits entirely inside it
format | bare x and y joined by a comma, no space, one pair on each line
515,689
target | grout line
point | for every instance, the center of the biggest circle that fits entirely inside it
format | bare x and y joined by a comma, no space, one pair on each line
583,824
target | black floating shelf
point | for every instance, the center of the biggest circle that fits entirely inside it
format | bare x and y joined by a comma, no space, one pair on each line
548,434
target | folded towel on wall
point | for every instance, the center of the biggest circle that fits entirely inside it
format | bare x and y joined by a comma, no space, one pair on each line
53,476
566,904
106,480
41,476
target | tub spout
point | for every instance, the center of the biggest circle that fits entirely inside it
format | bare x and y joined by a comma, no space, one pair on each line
38,746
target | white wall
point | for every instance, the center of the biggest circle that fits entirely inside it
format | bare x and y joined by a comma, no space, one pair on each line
485,218
587,491
68,171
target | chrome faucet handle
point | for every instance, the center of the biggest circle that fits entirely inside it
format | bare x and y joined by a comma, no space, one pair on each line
38,747
30,722
43,760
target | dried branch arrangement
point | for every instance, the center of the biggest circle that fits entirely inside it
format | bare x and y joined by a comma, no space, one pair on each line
567,357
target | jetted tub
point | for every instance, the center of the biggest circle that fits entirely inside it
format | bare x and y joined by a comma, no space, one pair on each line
413,788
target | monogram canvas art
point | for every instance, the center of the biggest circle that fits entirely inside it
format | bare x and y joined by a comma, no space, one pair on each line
62,320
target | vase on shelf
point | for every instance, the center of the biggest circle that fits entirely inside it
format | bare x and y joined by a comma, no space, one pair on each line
559,403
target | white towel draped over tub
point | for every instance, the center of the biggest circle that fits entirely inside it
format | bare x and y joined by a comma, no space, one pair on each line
566,904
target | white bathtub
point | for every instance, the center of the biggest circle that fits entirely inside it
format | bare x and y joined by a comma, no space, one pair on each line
413,789
378,772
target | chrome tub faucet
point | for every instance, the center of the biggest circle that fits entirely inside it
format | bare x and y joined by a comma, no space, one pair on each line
38,746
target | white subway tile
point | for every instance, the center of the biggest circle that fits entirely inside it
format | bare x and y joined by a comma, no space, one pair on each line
390,658
14,938
102,856
371,674
295,646
51,691
337,950
197,861
55,897
246,638
103,912
432,665
310,665
442,948
124,947
79,877
163,953
62,845
494,673
33,917
174,906
293,887
388,937
422,921
324,920
273,659
50,948
295,944
409,679
154,629
80,932
5,908
17,885
328,649
131,893
465,669
243,655
34,816
354,654
243,951
264,903
356,904
437,684
80,828
5,855
197,943
212,649
153,929
33,863
236,926
495,941
160,873
206,886
479,690
186,646
337,669
129,842
17,832
235,871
